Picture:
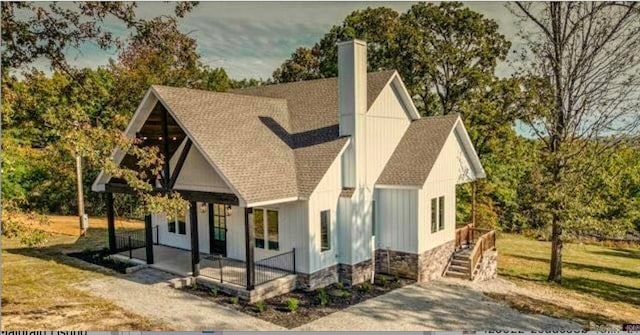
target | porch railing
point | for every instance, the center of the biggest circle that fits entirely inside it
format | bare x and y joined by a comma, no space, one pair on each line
485,241
274,267
127,240
226,270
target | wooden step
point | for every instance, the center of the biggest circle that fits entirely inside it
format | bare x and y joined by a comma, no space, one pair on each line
458,268
460,262
457,275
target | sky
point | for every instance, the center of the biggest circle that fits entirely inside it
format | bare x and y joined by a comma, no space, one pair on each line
251,39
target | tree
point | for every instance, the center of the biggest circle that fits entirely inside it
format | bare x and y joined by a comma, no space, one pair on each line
584,58
71,110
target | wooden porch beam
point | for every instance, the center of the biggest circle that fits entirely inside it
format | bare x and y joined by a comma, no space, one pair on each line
148,236
211,197
111,222
165,148
249,244
195,247
179,164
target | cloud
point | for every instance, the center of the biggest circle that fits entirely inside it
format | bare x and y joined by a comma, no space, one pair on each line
251,39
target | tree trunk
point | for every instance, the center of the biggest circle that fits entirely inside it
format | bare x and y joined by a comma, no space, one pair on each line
80,193
555,269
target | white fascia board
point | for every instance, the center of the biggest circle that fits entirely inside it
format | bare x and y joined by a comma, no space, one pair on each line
398,187
273,202
469,149
407,99
197,145
406,102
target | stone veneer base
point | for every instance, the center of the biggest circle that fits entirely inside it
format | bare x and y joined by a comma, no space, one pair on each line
488,267
424,267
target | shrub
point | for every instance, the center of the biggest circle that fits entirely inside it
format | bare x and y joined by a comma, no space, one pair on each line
323,299
365,287
384,281
213,292
292,304
339,285
261,306
234,300
346,294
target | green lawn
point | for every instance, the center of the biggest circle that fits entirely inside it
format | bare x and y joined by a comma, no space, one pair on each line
39,288
600,284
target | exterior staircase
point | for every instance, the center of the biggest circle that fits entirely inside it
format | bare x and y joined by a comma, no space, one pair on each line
460,264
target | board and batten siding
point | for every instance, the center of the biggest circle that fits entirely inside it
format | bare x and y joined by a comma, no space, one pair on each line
396,219
179,240
325,197
292,233
452,167
387,121
196,173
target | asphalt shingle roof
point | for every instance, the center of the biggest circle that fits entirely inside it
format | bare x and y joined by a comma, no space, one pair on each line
415,155
272,141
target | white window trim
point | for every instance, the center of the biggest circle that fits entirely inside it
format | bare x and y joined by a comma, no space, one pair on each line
437,213
265,227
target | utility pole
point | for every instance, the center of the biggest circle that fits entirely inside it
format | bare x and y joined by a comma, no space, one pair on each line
83,227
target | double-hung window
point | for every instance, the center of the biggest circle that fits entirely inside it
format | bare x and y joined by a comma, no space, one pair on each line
179,224
437,214
266,228
325,230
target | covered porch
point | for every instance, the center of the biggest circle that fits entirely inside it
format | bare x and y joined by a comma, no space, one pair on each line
215,267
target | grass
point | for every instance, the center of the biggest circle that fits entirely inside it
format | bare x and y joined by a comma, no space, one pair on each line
600,284
39,286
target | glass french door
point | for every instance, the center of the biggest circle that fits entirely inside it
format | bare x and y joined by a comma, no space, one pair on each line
218,229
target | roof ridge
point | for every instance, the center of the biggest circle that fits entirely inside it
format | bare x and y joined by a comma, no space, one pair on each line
305,81
218,92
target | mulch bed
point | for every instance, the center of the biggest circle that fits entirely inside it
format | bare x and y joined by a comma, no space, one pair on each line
101,257
275,310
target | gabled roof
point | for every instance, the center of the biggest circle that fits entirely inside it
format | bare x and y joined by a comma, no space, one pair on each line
313,111
269,143
418,150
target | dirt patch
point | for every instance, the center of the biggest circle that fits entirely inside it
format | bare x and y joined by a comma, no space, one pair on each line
310,305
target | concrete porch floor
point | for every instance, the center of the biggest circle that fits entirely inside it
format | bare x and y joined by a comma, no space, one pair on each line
178,262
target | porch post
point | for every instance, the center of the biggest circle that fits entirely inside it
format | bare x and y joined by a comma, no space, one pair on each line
148,236
111,222
195,248
249,243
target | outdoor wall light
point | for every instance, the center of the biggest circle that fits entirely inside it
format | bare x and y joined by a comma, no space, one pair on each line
203,207
228,211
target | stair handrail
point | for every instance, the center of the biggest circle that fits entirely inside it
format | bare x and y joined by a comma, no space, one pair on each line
485,242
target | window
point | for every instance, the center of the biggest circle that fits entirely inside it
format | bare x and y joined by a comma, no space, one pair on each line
266,228
258,223
325,230
179,224
272,229
437,214
182,227
172,226
434,215
441,213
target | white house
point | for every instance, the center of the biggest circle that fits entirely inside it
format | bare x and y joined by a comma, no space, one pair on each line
342,170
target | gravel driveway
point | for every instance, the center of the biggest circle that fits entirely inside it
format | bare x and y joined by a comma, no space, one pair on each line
147,292
438,305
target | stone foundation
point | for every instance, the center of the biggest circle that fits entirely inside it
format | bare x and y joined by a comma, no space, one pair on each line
318,279
355,274
397,263
488,267
433,263
425,267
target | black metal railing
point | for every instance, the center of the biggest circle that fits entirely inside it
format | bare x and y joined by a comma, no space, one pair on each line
226,270
129,240
274,267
